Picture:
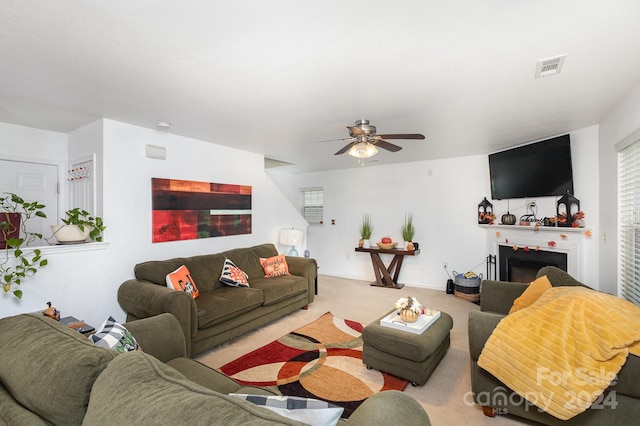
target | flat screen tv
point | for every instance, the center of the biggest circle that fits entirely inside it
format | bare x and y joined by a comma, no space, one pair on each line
539,169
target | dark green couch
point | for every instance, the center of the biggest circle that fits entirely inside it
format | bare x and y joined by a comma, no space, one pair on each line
496,300
53,375
220,312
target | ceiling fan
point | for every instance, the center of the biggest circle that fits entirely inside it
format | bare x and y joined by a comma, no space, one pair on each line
364,141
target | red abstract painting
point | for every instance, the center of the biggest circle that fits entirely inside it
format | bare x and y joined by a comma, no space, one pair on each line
186,210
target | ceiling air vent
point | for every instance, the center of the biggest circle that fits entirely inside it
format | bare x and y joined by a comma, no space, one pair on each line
549,66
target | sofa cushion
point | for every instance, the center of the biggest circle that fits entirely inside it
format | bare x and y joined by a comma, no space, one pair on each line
226,302
158,394
204,375
112,335
48,367
182,280
205,270
557,277
247,260
156,271
13,413
280,288
233,276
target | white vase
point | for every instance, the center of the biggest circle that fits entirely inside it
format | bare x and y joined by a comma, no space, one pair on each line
68,234
366,244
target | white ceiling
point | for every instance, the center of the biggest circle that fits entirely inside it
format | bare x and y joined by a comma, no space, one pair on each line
275,77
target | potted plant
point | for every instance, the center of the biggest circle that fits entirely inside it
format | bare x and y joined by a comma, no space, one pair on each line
17,264
366,228
408,231
78,225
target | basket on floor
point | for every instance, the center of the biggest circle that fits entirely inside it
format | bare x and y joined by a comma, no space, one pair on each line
467,288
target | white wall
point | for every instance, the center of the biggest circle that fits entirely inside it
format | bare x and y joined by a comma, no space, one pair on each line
84,284
621,122
83,143
443,196
29,143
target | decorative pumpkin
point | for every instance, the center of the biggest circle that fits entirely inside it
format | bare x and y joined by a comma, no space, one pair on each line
508,219
409,315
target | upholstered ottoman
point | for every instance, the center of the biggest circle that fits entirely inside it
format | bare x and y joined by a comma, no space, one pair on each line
407,355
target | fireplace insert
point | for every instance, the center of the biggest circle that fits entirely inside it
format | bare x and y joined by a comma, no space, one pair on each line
522,265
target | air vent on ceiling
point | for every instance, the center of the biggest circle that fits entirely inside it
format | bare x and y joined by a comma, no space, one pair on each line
549,66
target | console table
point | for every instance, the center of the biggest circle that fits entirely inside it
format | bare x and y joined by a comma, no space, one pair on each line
382,272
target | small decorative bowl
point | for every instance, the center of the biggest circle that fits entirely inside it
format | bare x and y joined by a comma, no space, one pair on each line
387,246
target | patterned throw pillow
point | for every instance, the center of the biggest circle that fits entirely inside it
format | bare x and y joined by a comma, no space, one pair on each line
113,335
306,410
233,276
275,266
181,280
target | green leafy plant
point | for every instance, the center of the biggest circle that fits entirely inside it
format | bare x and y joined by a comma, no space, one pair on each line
17,263
82,218
366,228
408,230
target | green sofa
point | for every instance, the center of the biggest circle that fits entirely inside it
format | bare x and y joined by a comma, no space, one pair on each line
496,299
53,375
220,312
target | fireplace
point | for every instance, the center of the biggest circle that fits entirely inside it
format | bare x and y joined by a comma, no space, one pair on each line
522,265
564,248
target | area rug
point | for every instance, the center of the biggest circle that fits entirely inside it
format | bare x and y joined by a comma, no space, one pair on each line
321,360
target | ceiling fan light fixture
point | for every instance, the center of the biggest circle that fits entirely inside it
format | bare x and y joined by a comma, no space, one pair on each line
363,150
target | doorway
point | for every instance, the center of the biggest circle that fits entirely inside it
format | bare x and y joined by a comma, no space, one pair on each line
33,181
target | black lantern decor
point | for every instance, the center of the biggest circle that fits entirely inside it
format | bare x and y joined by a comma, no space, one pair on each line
485,211
566,210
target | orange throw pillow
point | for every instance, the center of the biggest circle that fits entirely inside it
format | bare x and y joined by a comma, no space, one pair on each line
275,266
531,294
181,280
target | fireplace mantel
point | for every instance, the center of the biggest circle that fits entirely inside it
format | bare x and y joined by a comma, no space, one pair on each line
548,238
557,229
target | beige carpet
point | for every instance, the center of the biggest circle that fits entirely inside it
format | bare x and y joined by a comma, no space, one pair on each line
445,396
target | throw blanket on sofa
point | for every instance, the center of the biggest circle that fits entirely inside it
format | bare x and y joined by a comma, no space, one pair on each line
565,349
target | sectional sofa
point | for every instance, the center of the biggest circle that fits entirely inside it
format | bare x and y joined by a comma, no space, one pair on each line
51,374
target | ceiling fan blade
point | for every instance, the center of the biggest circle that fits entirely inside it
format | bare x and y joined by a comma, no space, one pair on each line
388,146
333,140
403,136
344,149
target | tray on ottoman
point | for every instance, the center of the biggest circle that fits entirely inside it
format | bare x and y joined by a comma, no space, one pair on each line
407,355
393,320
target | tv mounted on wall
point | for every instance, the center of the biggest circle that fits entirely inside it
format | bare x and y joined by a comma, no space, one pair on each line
539,169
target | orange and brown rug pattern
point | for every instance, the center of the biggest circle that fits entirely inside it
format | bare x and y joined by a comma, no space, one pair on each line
320,360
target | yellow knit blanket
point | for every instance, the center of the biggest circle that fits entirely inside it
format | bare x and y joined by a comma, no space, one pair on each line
565,349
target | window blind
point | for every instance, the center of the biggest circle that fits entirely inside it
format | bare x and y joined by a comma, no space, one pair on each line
312,205
629,222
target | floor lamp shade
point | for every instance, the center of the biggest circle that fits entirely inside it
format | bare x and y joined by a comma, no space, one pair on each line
291,237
